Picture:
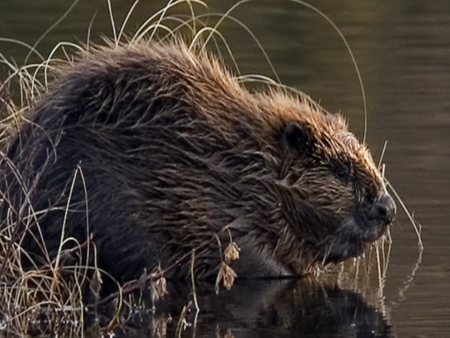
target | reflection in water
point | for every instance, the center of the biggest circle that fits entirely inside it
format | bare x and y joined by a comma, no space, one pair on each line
269,308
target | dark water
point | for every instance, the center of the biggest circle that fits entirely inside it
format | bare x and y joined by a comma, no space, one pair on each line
403,52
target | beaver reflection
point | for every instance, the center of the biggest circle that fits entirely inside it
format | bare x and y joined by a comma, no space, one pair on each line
277,308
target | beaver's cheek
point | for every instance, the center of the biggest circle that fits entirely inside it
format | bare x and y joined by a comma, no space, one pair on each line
346,242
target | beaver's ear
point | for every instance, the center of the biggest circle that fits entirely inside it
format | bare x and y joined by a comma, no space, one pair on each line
297,136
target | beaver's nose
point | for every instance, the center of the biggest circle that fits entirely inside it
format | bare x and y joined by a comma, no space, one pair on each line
385,209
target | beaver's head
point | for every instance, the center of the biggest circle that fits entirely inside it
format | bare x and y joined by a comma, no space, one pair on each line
332,195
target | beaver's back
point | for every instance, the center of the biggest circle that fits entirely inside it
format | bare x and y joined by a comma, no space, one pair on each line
116,149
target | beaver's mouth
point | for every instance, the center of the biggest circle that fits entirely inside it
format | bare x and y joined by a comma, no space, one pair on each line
355,234
351,240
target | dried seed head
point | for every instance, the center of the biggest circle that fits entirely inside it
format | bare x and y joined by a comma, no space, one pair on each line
231,252
226,275
159,287
96,283
159,284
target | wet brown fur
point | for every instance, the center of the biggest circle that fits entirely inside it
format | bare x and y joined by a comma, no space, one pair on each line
172,149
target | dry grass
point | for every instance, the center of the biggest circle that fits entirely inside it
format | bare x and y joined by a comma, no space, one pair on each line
46,298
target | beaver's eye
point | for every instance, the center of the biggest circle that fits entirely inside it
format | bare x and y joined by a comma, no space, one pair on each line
341,172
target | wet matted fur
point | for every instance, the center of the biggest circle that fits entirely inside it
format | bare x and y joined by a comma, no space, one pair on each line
156,148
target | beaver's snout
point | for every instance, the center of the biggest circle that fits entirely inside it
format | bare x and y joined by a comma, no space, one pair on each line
373,217
384,209
378,213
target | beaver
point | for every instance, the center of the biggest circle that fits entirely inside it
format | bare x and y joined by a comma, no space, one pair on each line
156,148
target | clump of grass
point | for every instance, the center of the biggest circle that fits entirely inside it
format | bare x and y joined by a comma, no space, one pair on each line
59,295
46,298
